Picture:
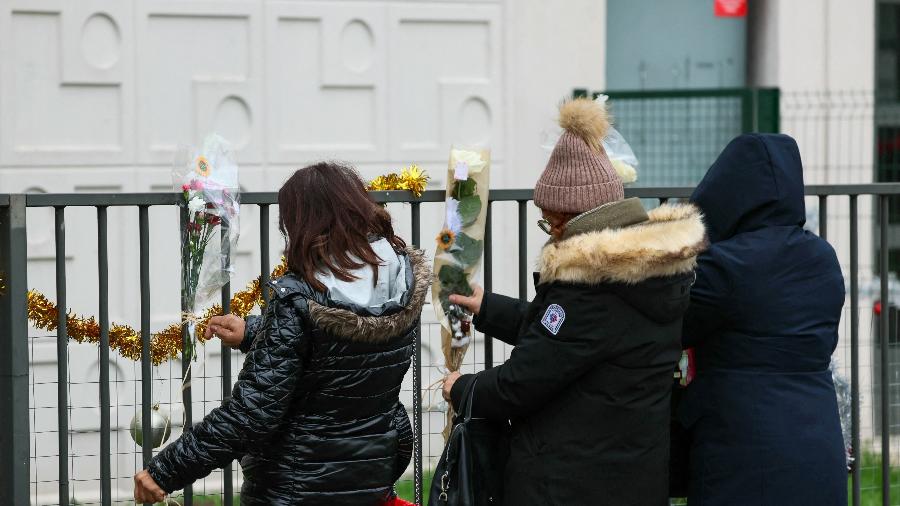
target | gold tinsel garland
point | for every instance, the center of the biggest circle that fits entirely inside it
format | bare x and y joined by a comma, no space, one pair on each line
166,344
410,179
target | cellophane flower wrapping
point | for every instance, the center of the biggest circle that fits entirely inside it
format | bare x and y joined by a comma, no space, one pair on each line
845,411
619,151
460,246
207,177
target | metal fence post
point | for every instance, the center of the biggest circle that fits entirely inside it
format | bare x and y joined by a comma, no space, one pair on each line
856,492
14,428
62,356
523,250
227,485
489,280
418,471
885,359
768,110
103,317
186,394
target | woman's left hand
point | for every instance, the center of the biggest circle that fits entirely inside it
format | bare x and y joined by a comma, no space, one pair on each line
448,384
229,328
146,490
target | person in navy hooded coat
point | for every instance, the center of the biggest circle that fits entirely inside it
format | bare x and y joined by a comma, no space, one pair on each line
763,322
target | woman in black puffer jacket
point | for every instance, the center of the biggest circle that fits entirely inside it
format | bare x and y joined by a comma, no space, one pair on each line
315,416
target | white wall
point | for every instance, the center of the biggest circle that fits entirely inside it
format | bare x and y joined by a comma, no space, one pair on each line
96,94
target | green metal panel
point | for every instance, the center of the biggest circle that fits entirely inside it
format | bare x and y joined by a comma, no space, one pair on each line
677,134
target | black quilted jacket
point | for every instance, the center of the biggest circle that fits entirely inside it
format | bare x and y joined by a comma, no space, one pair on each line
313,416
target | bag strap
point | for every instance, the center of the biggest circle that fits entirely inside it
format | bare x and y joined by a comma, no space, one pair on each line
468,400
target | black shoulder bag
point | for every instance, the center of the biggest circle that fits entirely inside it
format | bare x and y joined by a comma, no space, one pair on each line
470,472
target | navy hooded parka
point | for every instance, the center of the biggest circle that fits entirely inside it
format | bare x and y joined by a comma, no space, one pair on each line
763,321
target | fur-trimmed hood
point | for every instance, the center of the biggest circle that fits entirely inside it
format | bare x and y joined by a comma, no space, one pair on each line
666,245
345,323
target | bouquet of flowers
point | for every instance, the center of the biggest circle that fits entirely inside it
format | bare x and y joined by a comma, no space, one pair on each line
459,247
208,180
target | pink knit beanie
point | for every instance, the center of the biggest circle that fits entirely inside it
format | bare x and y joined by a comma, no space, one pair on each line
579,176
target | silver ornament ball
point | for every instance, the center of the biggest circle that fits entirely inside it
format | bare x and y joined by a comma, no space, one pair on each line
160,427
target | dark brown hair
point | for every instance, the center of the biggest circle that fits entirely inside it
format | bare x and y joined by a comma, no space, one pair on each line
327,217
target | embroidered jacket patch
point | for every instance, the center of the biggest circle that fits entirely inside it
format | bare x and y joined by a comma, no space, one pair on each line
554,318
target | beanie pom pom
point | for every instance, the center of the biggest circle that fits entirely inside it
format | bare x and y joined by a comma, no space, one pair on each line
587,119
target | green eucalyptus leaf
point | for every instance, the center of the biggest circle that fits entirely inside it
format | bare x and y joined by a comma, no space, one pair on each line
469,209
453,280
469,250
463,189
444,297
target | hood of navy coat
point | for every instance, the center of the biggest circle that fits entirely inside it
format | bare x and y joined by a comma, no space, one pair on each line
756,182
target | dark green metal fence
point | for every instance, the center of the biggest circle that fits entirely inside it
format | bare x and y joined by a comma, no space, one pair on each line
15,430
676,134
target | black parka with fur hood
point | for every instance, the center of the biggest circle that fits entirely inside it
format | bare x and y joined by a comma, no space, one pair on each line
587,387
313,415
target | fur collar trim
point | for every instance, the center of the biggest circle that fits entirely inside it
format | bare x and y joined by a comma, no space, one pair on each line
376,329
666,245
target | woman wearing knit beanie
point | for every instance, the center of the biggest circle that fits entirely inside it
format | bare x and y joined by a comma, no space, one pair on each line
587,387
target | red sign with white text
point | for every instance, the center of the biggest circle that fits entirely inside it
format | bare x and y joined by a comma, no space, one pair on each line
731,8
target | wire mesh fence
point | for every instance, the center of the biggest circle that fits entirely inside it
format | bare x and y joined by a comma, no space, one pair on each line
83,459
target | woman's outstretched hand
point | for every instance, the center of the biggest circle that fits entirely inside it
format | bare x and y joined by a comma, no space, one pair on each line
228,328
146,490
471,303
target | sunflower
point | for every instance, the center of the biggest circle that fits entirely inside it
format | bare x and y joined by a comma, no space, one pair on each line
446,239
203,166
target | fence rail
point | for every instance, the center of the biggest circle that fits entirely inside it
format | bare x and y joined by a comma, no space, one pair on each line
15,430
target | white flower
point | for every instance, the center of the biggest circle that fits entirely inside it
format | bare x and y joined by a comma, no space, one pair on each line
471,158
460,343
454,220
601,99
626,172
194,205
